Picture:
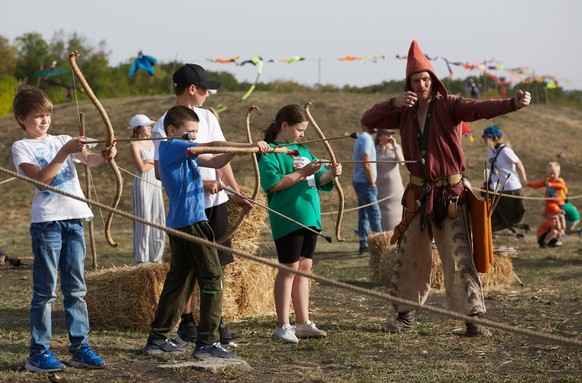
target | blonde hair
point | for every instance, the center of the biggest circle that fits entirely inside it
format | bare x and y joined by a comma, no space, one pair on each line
554,166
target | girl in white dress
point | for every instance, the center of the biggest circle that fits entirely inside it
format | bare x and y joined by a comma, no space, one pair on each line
389,181
148,203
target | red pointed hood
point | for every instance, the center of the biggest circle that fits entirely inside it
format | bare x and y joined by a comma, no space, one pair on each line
418,62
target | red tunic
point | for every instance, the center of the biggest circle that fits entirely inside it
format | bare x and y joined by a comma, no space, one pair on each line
444,147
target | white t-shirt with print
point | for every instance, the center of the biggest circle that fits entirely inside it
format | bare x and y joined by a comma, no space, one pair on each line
48,205
208,130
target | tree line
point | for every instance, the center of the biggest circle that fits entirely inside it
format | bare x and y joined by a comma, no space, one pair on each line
30,59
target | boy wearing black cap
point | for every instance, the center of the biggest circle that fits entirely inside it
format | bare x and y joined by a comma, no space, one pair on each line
191,87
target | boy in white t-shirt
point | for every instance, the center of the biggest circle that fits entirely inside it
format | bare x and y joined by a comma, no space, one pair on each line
56,228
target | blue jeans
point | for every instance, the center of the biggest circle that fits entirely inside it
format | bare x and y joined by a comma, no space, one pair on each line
369,218
58,246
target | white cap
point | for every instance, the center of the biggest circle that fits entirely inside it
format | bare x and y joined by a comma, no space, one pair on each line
139,120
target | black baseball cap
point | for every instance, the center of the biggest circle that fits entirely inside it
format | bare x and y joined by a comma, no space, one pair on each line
194,74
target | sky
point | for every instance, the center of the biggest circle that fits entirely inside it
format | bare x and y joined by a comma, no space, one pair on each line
541,35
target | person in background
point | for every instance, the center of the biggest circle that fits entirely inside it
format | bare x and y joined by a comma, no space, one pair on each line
56,229
572,216
506,171
148,202
429,120
473,89
364,183
556,193
292,185
551,229
192,86
389,181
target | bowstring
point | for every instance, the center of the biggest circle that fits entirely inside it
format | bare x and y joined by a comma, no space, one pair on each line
89,174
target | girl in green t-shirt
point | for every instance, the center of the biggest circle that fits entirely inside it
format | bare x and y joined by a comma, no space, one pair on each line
292,185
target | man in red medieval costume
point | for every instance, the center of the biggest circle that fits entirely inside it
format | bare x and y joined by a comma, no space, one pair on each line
429,120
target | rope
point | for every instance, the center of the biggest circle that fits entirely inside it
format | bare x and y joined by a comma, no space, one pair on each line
317,278
474,188
523,197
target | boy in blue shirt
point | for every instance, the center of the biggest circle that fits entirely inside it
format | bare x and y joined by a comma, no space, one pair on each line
191,262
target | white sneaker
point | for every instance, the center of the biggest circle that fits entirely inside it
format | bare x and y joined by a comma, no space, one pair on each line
285,334
309,330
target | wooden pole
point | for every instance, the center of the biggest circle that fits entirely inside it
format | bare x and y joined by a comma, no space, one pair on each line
88,194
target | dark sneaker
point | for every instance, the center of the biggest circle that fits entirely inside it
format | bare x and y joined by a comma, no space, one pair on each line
159,346
404,322
363,250
187,332
225,336
215,350
44,361
85,357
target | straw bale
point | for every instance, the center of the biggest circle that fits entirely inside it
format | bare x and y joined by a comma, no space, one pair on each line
501,274
127,297
383,256
248,284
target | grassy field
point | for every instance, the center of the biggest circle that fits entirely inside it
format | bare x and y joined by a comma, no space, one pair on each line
356,349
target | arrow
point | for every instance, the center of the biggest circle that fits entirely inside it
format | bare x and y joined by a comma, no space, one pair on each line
353,135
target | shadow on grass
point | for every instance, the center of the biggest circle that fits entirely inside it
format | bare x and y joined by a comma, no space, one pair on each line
15,319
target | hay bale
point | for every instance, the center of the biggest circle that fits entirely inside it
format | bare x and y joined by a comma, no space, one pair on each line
383,256
126,297
248,285
380,262
501,274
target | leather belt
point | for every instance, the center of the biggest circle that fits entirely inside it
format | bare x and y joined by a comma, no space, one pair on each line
449,180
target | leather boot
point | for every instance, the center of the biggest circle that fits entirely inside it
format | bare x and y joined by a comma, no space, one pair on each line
474,329
404,322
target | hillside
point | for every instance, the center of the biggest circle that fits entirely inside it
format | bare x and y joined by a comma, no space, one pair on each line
538,134
356,350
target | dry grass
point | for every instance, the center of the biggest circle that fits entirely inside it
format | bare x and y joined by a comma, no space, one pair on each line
356,349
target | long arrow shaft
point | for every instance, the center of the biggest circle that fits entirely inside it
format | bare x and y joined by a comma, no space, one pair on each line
187,136
375,162
243,150
351,135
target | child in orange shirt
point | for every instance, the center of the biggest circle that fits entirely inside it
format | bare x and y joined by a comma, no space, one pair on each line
556,189
552,227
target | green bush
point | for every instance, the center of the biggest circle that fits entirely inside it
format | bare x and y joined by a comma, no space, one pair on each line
8,85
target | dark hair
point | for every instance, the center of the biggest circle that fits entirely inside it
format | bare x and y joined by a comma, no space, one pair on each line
291,114
178,116
180,88
29,99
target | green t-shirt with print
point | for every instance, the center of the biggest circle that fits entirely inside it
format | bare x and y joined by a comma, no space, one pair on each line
300,201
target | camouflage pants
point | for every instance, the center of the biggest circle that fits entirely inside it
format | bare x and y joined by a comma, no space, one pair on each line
412,269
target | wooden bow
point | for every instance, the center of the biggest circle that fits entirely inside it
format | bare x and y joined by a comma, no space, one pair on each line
253,197
338,187
109,141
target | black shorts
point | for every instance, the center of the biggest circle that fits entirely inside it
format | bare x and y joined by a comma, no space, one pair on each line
218,221
293,245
